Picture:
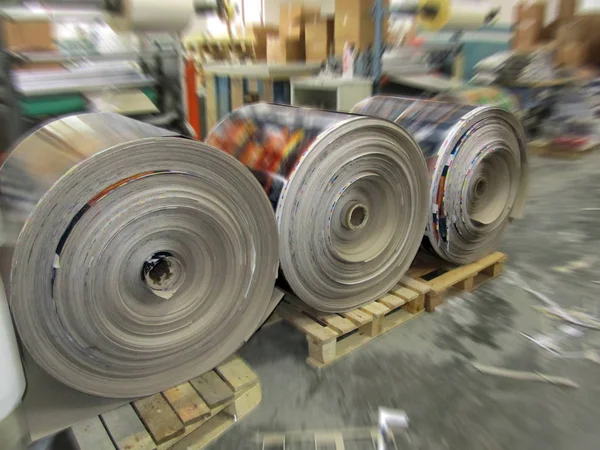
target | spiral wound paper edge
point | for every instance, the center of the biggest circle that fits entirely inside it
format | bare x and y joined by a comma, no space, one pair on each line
244,132
440,139
91,154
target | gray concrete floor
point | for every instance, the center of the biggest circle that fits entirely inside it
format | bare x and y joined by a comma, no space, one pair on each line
423,367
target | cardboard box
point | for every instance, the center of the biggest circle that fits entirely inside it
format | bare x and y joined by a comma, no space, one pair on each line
573,54
577,39
362,36
283,49
292,17
259,34
39,66
566,10
29,35
529,23
318,38
354,23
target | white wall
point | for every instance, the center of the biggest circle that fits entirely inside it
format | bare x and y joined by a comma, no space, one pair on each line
272,8
196,26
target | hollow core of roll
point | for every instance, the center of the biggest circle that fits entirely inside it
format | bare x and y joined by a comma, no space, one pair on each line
490,192
163,274
356,217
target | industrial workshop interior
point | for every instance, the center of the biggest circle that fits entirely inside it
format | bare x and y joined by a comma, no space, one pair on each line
299,224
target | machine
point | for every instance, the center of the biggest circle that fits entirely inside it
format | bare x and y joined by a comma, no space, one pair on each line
148,77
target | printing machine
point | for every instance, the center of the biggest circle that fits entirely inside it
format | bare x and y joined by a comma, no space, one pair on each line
28,98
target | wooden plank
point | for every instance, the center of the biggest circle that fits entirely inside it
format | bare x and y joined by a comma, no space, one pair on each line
305,324
91,435
416,305
466,284
404,292
213,390
494,270
344,346
237,374
433,300
417,285
160,420
217,425
245,402
392,301
374,308
358,317
126,429
460,273
335,321
186,403
323,352
338,323
490,259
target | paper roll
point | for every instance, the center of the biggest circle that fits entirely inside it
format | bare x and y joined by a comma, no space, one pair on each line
477,160
159,16
146,259
12,381
349,194
436,15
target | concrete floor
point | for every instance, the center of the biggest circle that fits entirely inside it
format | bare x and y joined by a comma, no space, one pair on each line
423,367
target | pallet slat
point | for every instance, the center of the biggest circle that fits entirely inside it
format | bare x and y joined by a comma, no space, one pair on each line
143,423
404,292
358,317
338,323
222,421
126,429
375,308
159,418
237,373
392,301
305,324
213,390
417,285
91,435
187,403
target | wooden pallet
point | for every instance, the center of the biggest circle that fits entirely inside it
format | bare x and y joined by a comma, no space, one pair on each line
188,416
442,276
331,336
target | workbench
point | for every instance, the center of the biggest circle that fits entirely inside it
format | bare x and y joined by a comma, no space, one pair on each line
429,84
336,94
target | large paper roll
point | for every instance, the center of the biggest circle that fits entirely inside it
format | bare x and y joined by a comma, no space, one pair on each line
160,16
145,260
476,157
349,194
448,15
